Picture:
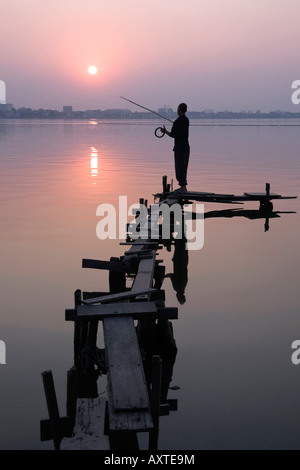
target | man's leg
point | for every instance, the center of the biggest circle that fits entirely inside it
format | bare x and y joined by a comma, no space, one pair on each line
185,158
180,168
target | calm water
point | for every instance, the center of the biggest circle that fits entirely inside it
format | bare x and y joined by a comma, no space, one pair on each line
237,385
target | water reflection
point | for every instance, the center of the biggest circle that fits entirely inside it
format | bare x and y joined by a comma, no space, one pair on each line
94,163
179,277
180,259
248,214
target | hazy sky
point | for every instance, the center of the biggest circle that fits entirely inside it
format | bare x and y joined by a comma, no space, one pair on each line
217,54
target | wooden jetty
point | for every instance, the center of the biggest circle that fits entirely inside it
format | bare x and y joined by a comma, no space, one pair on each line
170,197
136,369
133,400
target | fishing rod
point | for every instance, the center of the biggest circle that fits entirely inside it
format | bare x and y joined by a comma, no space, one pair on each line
151,111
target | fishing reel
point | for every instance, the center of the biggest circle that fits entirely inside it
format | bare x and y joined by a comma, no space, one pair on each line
159,129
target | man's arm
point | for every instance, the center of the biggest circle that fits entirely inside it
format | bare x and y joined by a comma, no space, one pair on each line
164,131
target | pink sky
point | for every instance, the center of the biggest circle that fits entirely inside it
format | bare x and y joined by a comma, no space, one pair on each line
217,54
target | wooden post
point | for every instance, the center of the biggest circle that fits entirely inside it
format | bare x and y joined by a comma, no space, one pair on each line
117,280
52,407
77,331
164,183
72,387
155,401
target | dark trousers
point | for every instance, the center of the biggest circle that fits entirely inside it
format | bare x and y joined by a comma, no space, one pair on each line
181,165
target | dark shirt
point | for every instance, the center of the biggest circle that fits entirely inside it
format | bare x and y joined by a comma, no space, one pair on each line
180,132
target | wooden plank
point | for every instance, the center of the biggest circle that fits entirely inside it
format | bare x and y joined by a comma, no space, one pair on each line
88,432
116,308
137,310
259,196
124,363
100,264
119,296
144,277
167,194
145,311
127,421
139,242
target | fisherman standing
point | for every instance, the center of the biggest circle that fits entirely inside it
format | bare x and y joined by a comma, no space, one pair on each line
180,133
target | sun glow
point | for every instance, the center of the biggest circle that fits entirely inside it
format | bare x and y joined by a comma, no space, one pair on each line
92,70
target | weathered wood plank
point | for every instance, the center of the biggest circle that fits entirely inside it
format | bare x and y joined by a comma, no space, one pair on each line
127,421
88,432
146,311
124,363
117,308
119,296
258,196
144,277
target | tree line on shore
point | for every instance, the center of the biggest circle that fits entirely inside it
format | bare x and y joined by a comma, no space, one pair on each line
29,113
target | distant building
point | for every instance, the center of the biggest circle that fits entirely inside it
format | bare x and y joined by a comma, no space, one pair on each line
68,110
166,111
2,92
6,107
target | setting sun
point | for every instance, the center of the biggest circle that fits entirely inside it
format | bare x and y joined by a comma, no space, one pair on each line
92,70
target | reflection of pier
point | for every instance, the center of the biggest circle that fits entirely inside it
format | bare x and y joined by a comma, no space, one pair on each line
137,360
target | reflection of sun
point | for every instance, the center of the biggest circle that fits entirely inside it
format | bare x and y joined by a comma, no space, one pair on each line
92,70
94,162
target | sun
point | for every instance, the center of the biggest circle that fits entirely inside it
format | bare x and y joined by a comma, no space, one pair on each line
92,70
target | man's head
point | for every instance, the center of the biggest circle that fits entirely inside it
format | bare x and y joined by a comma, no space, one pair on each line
182,109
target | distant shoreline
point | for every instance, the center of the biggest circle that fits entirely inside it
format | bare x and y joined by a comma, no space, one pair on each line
8,112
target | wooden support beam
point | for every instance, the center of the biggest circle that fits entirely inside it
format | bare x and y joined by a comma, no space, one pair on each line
119,296
117,308
136,310
155,401
66,424
116,266
52,406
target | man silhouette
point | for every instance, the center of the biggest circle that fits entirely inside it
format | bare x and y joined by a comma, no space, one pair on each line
180,133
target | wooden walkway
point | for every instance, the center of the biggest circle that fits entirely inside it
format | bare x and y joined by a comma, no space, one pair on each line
171,197
129,317
131,405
